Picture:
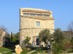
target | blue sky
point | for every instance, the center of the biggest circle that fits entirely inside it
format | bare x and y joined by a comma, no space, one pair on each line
9,12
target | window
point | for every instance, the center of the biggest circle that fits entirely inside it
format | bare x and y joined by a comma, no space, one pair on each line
26,14
32,14
46,15
39,14
37,23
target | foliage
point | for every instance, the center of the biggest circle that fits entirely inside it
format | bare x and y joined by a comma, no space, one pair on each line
7,35
72,44
70,29
6,38
67,45
44,35
17,35
25,51
57,48
39,51
5,50
25,42
11,37
14,37
58,38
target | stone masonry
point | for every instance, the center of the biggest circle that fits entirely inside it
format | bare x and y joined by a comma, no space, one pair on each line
33,21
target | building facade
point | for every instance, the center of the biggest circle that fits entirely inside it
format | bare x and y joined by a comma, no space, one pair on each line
2,35
33,21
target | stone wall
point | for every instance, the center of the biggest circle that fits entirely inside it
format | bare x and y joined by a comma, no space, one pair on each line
28,25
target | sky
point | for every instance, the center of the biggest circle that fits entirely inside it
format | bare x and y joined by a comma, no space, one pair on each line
9,12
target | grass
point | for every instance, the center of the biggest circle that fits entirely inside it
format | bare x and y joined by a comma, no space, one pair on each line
25,51
39,51
5,50
8,51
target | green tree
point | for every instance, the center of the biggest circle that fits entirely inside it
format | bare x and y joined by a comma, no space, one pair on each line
17,35
26,41
71,44
70,29
14,37
44,35
11,39
58,38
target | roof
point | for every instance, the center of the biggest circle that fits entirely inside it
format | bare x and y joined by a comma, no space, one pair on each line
36,9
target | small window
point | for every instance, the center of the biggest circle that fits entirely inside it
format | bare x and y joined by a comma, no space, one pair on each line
46,15
32,14
37,23
39,14
26,14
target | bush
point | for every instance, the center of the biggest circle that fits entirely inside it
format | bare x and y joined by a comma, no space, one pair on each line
58,38
44,35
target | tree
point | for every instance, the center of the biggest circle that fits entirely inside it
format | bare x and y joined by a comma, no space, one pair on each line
25,42
58,38
44,35
14,37
7,37
70,29
11,37
71,44
17,35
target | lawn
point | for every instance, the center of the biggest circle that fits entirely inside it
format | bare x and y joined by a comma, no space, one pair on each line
9,51
25,51
39,51
5,50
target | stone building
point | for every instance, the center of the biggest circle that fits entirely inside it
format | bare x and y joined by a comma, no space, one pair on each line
2,35
32,21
